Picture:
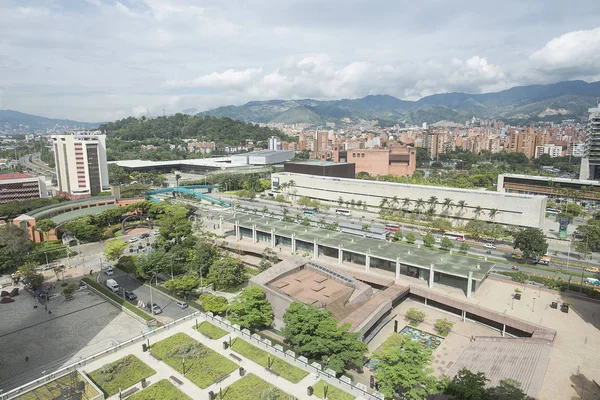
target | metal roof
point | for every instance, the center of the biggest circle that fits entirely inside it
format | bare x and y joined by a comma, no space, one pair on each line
452,264
65,217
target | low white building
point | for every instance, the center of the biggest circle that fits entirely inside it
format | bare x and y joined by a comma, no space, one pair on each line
504,208
550,149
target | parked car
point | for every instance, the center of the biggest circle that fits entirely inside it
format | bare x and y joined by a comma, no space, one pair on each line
144,235
154,308
517,256
181,304
489,246
82,285
48,267
133,240
592,269
129,295
489,240
110,271
155,232
438,240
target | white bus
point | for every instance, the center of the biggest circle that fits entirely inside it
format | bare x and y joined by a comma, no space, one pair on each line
454,235
343,211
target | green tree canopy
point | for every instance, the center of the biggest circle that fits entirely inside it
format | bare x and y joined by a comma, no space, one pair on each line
227,272
316,334
531,242
115,250
467,386
184,285
14,246
213,304
428,239
404,368
251,309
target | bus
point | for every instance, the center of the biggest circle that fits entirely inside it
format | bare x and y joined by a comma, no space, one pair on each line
392,227
454,235
343,211
309,213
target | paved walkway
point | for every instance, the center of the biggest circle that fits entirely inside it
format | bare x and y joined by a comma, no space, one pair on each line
163,371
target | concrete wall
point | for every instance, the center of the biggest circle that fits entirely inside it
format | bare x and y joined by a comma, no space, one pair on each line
513,209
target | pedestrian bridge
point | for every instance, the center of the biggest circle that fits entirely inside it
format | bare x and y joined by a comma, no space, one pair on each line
190,190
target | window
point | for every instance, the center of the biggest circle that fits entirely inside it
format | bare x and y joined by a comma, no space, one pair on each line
363,155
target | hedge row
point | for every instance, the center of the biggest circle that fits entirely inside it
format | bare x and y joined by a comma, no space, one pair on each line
117,299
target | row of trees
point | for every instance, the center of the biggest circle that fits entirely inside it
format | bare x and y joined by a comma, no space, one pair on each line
396,204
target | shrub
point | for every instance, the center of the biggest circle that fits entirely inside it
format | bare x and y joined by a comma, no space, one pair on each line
415,316
410,238
443,326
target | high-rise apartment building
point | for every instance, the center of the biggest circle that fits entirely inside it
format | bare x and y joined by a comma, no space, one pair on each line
527,142
590,163
81,169
274,143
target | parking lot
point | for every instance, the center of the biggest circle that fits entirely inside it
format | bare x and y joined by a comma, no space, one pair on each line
169,309
74,330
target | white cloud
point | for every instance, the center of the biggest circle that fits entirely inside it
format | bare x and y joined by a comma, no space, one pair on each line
577,51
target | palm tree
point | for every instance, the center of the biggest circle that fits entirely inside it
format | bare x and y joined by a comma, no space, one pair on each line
461,206
395,201
341,201
383,203
352,203
406,203
478,211
177,178
420,203
265,210
432,201
492,213
448,203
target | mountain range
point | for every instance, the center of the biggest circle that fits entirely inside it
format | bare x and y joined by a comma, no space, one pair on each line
21,123
521,104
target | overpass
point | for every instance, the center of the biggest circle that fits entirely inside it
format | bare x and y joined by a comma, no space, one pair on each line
189,190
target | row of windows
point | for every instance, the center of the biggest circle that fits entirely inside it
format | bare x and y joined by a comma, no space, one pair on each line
358,155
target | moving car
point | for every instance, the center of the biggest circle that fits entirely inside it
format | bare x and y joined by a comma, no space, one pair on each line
592,269
489,246
181,304
154,308
129,295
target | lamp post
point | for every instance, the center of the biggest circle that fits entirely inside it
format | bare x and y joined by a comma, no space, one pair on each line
533,308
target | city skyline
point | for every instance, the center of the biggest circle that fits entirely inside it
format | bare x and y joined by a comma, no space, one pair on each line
105,60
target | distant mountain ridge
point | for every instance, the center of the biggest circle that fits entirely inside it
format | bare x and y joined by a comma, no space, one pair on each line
18,122
562,100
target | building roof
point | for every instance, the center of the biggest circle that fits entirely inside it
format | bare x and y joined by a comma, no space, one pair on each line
318,163
265,153
65,217
222,162
553,179
451,264
14,175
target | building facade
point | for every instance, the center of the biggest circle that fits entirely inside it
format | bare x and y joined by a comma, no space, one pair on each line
398,161
81,168
550,149
20,186
503,208
321,168
590,163
555,188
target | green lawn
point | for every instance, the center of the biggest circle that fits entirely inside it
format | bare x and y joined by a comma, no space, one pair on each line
333,393
251,387
251,270
162,390
210,330
202,365
287,371
122,373
52,389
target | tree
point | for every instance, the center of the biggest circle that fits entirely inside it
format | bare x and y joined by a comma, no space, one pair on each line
14,246
398,236
443,326
582,248
84,229
404,368
340,201
44,226
415,316
432,202
365,227
213,304
68,291
531,242
383,203
448,204
316,334
419,204
117,175
148,265
410,238
227,272
447,243
205,255
429,240
184,285
461,205
114,250
251,309
508,389
464,247
492,213
467,386
406,203
478,211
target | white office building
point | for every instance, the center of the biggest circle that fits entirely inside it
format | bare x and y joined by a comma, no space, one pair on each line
274,143
81,169
550,149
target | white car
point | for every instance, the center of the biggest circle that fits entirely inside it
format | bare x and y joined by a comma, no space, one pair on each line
438,240
133,240
489,246
155,232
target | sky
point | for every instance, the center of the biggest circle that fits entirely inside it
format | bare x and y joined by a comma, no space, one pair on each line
102,60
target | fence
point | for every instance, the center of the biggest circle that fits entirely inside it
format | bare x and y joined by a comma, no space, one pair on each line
289,356
70,368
